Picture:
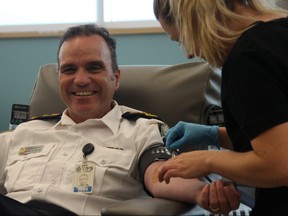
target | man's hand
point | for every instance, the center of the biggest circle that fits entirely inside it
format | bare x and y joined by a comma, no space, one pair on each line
219,197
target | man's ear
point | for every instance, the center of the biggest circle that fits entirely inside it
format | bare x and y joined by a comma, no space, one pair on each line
117,78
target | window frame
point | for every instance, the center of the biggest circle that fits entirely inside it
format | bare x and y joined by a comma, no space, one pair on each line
118,28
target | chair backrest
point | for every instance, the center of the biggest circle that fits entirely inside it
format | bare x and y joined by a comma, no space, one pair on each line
179,92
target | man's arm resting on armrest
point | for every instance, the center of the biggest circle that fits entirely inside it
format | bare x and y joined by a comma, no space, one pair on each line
222,195
184,190
219,193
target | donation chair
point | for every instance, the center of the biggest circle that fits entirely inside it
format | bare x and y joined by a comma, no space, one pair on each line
173,93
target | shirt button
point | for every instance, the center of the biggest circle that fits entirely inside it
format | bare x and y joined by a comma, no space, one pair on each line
103,162
39,190
53,181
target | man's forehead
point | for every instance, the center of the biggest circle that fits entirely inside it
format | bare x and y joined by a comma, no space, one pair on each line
87,47
94,42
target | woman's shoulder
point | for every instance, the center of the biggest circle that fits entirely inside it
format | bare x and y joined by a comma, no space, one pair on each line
262,37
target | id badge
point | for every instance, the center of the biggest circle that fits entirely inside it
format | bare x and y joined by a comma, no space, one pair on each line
83,177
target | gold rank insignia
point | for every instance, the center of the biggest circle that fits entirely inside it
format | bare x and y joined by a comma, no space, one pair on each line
53,116
22,151
133,116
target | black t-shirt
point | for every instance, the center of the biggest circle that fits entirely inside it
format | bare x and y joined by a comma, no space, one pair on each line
255,96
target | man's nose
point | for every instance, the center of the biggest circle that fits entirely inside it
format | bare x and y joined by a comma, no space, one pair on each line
82,77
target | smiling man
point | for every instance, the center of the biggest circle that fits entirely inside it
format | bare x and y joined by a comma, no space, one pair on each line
117,148
87,79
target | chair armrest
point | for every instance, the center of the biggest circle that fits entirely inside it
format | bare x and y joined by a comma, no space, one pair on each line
146,206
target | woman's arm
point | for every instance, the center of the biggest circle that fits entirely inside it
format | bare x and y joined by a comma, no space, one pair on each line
224,138
265,166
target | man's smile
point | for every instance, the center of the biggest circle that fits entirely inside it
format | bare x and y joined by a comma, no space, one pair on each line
84,93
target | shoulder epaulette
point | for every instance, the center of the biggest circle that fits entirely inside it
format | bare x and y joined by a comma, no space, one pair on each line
133,116
54,116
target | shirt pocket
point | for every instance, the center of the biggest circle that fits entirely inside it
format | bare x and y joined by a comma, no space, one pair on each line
26,168
112,157
112,168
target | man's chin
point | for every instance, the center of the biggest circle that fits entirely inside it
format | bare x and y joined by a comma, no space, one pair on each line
82,112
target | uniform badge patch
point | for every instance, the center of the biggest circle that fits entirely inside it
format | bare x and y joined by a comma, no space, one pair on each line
133,116
53,116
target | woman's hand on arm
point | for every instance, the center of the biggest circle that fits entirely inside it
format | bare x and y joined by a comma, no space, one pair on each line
265,166
187,136
190,136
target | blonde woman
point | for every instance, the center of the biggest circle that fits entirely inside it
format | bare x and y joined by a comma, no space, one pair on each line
248,39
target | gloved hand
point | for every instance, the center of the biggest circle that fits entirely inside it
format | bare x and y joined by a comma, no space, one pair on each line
189,136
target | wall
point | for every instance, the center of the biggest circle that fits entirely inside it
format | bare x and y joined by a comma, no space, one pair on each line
21,58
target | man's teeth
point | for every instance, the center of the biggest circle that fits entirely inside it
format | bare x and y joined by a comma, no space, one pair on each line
84,93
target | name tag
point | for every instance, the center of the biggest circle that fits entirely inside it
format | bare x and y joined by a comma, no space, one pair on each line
83,178
30,149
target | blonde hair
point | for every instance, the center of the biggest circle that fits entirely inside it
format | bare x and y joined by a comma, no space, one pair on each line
204,25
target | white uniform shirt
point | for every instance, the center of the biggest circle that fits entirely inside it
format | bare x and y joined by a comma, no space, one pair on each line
47,174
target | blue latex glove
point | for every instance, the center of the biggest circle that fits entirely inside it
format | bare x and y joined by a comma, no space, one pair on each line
189,136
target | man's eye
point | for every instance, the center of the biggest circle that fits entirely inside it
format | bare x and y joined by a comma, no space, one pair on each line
67,70
94,68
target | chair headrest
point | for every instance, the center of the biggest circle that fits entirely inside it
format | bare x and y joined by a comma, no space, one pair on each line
173,93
